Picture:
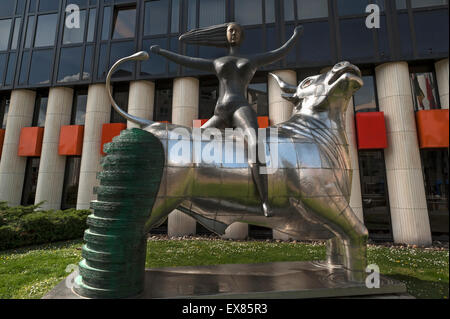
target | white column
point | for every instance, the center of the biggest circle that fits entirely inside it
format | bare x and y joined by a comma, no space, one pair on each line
12,167
280,110
184,111
356,197
98,112
141,101
409,214
52,166
442,81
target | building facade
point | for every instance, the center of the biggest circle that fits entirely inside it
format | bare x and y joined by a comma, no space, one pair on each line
55,114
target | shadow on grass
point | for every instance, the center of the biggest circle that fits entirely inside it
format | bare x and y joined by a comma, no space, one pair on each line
49,246
423,289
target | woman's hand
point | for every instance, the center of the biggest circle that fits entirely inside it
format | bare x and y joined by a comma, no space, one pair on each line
155,48
298,30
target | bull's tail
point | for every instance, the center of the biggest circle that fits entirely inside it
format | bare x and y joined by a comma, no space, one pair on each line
140,56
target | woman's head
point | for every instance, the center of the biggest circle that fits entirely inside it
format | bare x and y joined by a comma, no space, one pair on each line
223,35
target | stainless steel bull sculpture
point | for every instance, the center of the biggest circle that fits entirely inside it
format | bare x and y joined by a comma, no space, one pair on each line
309,190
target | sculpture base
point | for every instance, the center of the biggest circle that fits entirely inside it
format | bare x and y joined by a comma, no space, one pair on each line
279,280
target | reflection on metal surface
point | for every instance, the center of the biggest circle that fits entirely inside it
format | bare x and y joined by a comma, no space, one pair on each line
309,193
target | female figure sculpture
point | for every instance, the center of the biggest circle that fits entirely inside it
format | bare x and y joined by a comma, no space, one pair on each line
235,72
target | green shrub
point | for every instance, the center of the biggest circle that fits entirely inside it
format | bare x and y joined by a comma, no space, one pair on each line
26,225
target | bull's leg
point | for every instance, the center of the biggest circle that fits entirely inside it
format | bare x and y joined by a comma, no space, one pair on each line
353,235
335,252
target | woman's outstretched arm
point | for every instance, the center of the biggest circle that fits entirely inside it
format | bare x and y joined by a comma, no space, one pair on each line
195,63
275,55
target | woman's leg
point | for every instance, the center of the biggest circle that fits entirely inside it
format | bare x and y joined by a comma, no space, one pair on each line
245,118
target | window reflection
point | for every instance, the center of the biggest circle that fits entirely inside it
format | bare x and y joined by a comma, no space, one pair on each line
248,12
156,65
163,102
365,98
75,35
70,64
124,23
15,38
289,10
5,30
120,94
6,8
357,39
41,66
11,71
156,13
48,5
424,91
175,16
29,35
118,51
435,169
270,11
40,110
46,30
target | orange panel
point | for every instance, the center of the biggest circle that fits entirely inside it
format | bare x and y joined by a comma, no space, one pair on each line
432,128
371,130
71,140
30,142
199,123
263,121
2,138
109,131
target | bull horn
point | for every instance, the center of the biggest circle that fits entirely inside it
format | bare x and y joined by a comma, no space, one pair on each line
140,56
285,87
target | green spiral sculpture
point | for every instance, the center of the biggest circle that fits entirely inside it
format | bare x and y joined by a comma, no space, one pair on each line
115,249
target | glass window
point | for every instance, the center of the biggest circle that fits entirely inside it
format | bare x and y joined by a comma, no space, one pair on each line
4,109
79,107
29,35
124,23
71,182
374,194
435,171
163,103
307,9
48,5
46,30
23,78
156,65
175,16
118,51
75,35
32,7
156,13
356,39
20,6
3,61
248,12
289,10
270,11
70,64
351,7
314,45
427,3
424,91
106,29
252,43
5,31
364,99
6,8
120,94
192,14
11,71
40,110
257,97
16,33
41,66
87,68
30,181
212,12
400,4
431,35
92,24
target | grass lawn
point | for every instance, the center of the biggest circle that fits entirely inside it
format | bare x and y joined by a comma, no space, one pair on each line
33,271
